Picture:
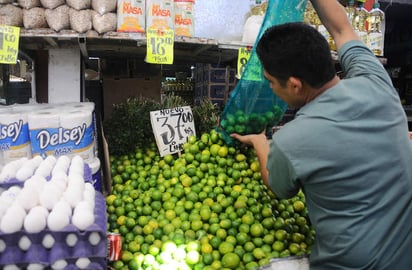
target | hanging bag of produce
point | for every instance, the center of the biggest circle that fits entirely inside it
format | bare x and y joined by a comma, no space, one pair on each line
252,106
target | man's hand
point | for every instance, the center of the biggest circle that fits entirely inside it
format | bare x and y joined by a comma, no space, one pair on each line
261,145
250,139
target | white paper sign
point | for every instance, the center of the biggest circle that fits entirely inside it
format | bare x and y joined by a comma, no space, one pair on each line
171,128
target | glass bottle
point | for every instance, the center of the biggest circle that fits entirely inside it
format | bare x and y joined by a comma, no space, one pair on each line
376,22
359,21
350,10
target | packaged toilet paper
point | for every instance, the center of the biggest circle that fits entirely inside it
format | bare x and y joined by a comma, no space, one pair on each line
63,129
78,126
14,136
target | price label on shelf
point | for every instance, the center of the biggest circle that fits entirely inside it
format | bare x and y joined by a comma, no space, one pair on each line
159,49
172,128
9,44
243,57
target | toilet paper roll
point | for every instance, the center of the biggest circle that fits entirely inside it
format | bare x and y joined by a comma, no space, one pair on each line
88,106
44,130
14,136
94,165
29,108
2,163
44,119
78,126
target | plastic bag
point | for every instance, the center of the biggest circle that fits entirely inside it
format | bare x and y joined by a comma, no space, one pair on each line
252,106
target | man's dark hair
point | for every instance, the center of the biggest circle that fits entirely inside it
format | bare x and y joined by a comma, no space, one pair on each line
296,49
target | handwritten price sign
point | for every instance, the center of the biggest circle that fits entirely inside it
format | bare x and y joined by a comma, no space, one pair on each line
9,44
172,128
159,49
243,57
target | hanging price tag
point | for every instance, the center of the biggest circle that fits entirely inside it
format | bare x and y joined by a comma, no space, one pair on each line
172,128
242,58
159,48
9,44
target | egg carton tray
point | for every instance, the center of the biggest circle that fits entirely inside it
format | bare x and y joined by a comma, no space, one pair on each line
88,177
48,247
95,263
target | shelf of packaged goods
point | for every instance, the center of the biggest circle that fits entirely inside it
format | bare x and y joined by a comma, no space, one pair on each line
120,44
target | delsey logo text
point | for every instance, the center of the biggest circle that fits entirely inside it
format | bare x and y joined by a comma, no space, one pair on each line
11,131
62,136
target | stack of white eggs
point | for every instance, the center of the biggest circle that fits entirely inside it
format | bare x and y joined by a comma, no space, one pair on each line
54,194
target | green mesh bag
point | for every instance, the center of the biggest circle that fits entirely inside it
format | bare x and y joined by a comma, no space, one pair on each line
252,106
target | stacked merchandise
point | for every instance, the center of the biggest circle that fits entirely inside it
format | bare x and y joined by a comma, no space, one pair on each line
369,24
30,130
140,15
214,83
101,16
78,15
51,216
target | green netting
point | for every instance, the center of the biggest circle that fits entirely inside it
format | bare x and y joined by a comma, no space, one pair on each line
252,106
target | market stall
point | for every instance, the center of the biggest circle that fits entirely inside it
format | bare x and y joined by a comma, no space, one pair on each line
86,184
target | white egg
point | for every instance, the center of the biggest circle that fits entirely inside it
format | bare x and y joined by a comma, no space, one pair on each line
77,160
60,184
8,172
82,220
35,221
11,267
77,166
24,243
60,175
44,169
59,170
65,160
48,241
84,206
82,263
62,206
36,182
12,192
25,172
5,202
3,210
76,180
35,266
40,210
94,238
51,160
63,163
73,195
28,198
56,221
13,219
37,160
8,198
59,264
89,190
2,246
50,195
71,239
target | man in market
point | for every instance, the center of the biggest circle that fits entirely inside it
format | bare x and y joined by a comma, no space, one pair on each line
348,147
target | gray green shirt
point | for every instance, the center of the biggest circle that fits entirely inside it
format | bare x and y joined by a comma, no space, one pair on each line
349,149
